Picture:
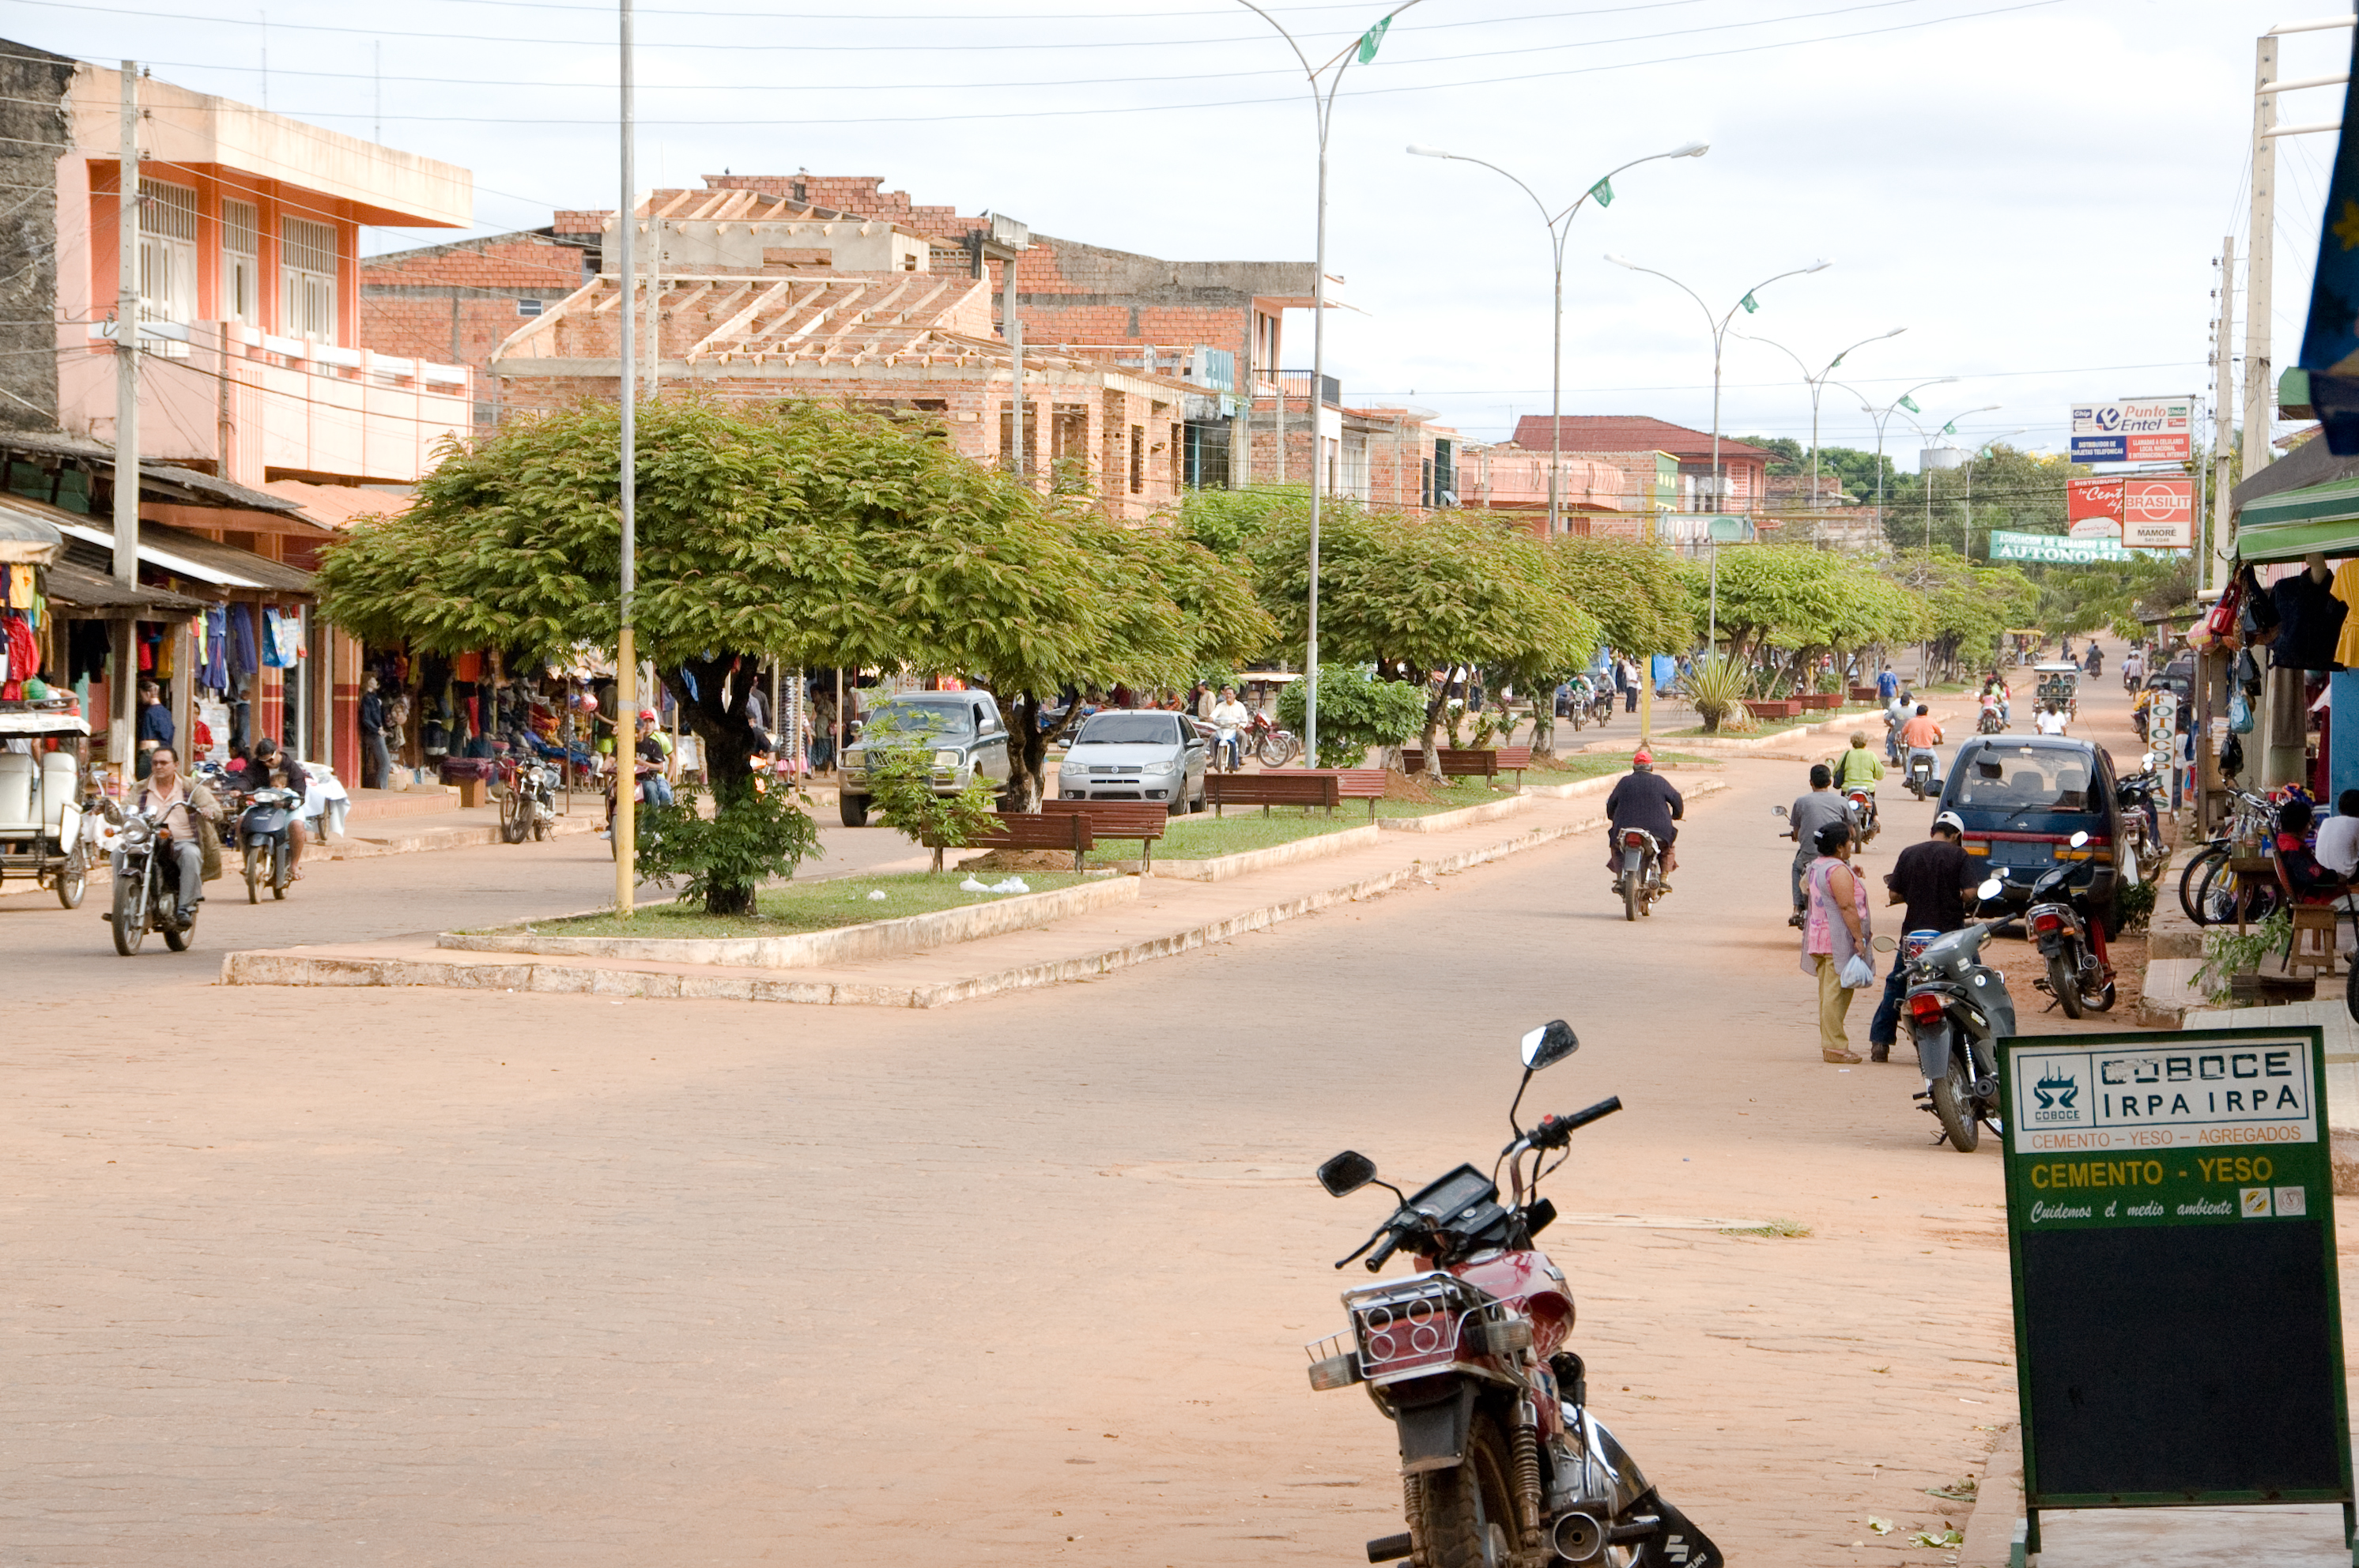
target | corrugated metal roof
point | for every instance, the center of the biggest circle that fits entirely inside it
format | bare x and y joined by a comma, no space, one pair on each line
1629,433
165,480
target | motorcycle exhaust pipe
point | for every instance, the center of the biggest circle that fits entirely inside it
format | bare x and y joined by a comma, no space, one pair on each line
1578,1537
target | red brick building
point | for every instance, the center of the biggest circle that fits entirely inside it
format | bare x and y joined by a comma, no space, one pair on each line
1632,441
459,302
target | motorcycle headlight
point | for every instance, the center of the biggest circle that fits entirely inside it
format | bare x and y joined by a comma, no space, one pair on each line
136,832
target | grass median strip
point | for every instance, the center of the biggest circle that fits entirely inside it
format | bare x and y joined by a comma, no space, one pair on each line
810,906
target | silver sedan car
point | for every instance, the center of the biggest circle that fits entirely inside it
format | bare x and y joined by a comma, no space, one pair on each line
1142,755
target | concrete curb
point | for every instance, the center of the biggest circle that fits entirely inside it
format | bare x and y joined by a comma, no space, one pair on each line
814,949
1998,1506
350,847
1465,817
1221,867
296,967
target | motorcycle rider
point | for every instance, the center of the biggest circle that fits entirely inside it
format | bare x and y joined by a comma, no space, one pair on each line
1859,769
2051,719
1227,717
267,759
1920,735
1803,819
1645,800
1897,713
176,803
1936,880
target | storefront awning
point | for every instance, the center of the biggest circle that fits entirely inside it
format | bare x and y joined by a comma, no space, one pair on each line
78,592
192,556
26,538
2292,524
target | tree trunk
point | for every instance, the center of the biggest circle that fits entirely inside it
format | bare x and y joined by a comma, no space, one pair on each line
1027,749
1431,739
1544,724
716,713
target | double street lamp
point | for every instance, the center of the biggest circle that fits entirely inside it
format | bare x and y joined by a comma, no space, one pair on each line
1883,416
1719,327
1559,228
1323,79
1950,428
1818,385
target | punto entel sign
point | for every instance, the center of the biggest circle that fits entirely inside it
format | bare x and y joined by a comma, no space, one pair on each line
2169,1204
2141,430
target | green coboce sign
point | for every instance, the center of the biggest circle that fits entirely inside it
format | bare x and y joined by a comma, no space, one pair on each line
2170,1226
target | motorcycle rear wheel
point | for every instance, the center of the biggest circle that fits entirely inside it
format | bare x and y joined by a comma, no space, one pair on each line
130,921
74,877
1629,896
2064,984
281,872
254,874
181,940
1467,1515
1954,1103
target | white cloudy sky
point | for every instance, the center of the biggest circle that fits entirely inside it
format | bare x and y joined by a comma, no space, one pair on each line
2036,191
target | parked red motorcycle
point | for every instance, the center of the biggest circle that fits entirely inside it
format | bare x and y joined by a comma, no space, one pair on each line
1503,1464
1274,746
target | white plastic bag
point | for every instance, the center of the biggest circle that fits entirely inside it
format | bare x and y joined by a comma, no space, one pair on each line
1857,972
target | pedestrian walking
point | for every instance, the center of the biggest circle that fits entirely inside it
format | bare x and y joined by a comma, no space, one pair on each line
1630,680
376,757
1803,819
1835,936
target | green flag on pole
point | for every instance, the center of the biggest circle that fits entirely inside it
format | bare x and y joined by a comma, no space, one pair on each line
1371,38
1910,404
1749,304
1603,191
1950,428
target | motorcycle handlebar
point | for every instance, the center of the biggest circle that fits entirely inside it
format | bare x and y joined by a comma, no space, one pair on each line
1556,1131
1377,1259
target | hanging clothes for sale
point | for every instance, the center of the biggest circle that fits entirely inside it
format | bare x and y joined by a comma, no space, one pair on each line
216,673
272,657
87,648
2310,621
289,638
244,657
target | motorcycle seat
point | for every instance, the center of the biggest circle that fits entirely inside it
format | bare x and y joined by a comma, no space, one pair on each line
20,812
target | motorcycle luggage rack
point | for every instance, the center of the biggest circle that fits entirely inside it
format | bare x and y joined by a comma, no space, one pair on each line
1415,1327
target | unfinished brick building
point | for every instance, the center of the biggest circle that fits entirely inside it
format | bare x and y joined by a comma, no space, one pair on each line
459,302
902,339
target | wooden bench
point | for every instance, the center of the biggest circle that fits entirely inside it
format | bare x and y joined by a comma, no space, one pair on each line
1464,765
1030,831
1142,820
1356,783
1515,760
1285,786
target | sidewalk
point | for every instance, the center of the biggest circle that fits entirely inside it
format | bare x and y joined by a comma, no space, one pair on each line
1170,916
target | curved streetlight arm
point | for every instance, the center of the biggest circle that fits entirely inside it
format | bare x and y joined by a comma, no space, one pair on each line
1716,328
1609,174
1495,169
1764,283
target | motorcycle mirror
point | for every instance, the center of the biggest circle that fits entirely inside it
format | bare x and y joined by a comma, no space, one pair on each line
1884,944
2079,840
1346,1173
1548,1045
1776,811
1990,889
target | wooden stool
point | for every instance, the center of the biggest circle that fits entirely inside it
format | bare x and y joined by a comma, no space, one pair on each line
2313,938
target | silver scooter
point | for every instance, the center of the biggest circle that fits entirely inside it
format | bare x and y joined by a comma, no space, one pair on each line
1958,1008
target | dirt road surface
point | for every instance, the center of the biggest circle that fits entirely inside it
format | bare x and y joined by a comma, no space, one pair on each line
395,1278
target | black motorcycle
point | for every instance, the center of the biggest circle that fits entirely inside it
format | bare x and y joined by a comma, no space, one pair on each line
2072,939
147,887
1503,1463
264,834
1958,1011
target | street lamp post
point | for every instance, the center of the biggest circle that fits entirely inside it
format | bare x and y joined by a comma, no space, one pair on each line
1719,326
1322,104
1950,429
1881,418
1559,228
1818,385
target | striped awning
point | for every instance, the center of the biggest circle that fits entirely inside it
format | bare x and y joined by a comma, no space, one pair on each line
2292,524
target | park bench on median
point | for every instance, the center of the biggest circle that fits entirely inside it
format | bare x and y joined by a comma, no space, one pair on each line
1356,783
1142,820
1287,786
1029,830
1471,764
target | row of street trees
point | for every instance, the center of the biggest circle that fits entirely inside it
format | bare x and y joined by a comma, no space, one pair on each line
813,534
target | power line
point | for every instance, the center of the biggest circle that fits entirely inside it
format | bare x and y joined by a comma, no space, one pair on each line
1073,82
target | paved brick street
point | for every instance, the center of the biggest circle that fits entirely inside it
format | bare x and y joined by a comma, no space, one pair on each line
410,1277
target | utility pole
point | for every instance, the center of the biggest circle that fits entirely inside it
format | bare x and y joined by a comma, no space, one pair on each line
123,679
2223,543
626,386
1004,242
2260,384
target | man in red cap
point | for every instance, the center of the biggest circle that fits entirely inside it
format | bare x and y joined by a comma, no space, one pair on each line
1643,800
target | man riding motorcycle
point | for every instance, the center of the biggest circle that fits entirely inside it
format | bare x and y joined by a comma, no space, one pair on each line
1859,769
1936,880
267,759
1897,713
1646,801
176,803
1920,735
1227,717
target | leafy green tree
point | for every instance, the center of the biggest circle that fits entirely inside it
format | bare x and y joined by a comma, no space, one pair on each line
901,791
1223,520
1417,596
1356,712
1966,606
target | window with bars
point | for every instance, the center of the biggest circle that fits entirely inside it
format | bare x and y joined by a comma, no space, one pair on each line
307,278
241,264
168,252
